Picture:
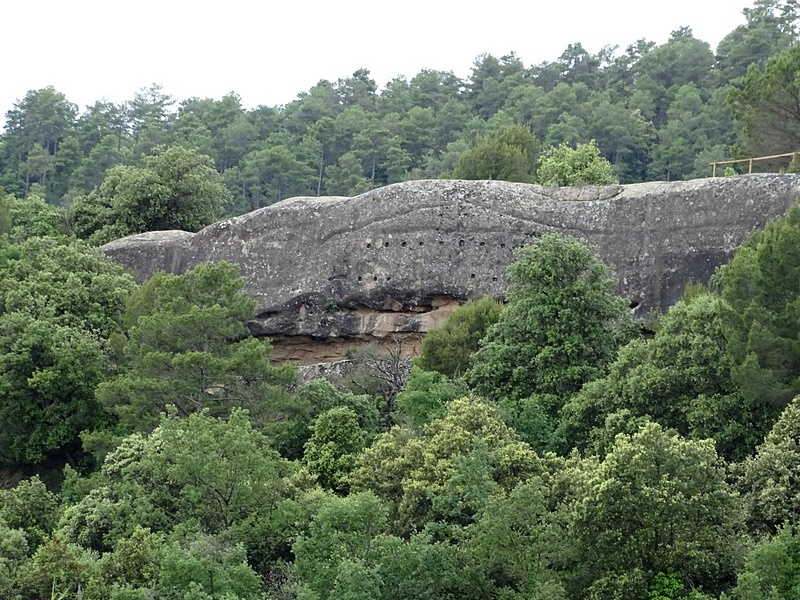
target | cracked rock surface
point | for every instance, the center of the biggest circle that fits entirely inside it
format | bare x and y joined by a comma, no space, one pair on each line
397,260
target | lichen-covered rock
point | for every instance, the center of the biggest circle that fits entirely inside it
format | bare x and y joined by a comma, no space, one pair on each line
148,253
399,258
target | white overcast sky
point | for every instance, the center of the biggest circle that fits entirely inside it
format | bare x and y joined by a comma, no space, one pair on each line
269,51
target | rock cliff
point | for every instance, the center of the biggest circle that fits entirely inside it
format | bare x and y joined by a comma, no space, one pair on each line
397,260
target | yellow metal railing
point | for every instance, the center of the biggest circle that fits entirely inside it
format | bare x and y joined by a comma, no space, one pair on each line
747,160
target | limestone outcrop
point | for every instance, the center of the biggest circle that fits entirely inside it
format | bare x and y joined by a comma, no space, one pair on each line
397,260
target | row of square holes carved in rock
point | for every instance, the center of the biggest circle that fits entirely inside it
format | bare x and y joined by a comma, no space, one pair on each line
404,244
375,277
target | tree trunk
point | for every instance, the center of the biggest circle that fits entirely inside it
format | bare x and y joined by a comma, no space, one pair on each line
321,170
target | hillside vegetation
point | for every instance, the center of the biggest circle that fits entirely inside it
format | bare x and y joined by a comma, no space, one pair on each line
542,449
655,112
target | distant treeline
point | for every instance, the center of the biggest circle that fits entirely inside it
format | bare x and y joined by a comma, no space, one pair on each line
657,112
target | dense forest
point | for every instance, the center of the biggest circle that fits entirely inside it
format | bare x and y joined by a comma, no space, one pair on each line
656,112
545,448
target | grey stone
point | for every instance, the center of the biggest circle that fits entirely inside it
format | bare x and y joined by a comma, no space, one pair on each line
397,260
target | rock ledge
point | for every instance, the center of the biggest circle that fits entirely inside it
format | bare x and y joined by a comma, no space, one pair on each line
398,259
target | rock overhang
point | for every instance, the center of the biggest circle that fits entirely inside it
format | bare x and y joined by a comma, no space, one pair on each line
381,263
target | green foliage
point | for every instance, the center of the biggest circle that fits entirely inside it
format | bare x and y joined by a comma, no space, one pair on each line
14,551
769,480
772,569
187,347
145,565
203,507
447,348
681,379
177,188
565,166
270,172
509,154
761,287
720,366
764,104
31,508
288,418
518,543
331,451
48,373
770,27
134,563
342,529
34,147
691,138
347,554
665,587
59,301
201,473
66,282
31,217
346,177
58,567
448,472
204,567
426,395
562,327
346,136
657,504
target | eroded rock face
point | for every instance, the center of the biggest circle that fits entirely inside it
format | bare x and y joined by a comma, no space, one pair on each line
397,260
